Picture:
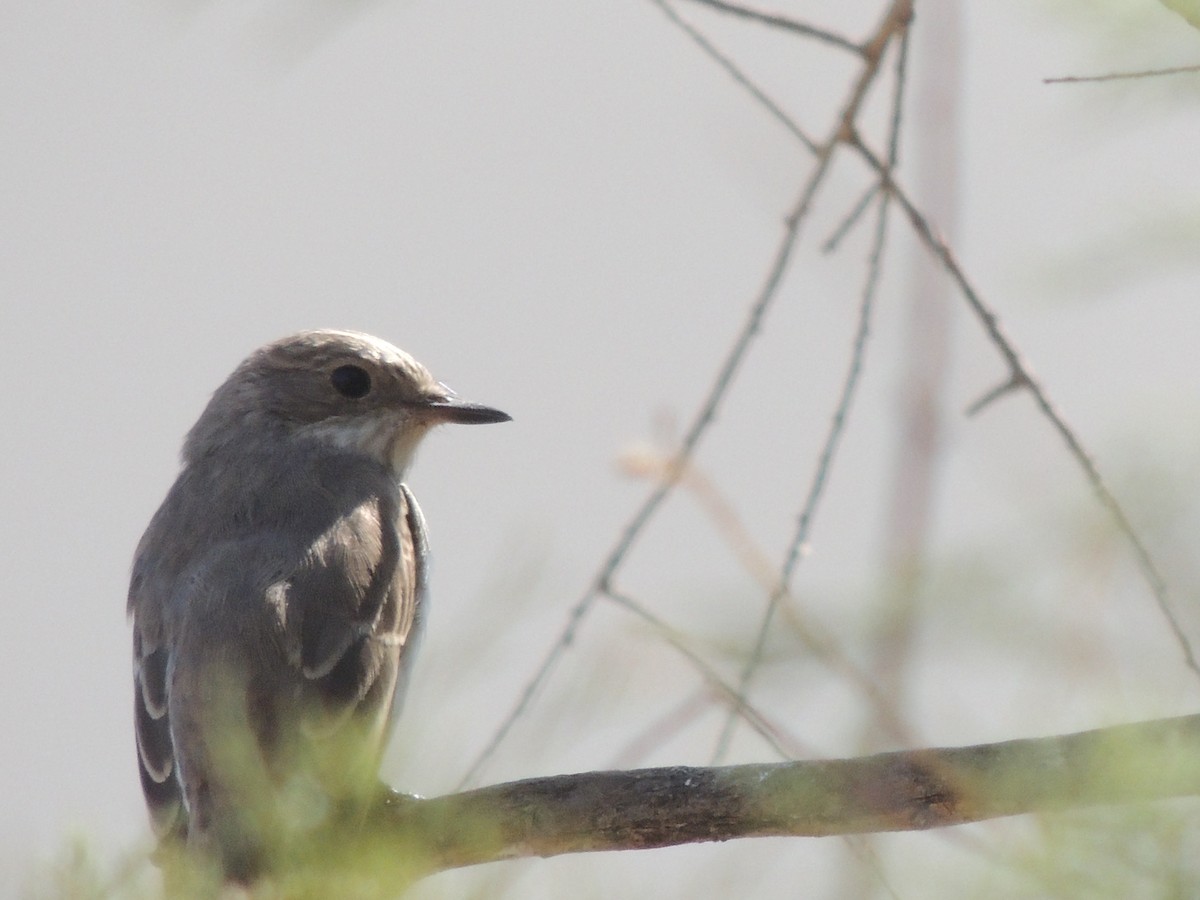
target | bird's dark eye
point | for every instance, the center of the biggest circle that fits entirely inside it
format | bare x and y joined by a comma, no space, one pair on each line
350,381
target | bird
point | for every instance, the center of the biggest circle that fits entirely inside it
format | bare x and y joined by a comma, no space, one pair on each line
278,594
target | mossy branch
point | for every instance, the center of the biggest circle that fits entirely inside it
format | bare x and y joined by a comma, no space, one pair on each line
901,791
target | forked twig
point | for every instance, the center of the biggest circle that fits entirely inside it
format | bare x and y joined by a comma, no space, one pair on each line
1021,373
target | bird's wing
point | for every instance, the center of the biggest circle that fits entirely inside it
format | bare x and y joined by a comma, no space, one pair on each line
354,611
325,647
156,753
414,524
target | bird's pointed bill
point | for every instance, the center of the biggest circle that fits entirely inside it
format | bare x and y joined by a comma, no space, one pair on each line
451,409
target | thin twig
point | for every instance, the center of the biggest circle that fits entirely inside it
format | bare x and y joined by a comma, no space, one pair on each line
770,732
1022,372
700,425
734,533
846,398
1122,76
820,477
899,90
735,72
783,23
898,15
851,219
1012,383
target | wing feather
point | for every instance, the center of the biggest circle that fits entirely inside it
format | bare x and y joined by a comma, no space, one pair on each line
152,730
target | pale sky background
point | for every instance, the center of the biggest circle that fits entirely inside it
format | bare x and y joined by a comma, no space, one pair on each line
565,210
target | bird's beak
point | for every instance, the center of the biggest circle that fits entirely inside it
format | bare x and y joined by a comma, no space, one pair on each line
451,409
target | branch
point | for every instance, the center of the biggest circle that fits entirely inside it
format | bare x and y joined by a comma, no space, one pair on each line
1021,374
1122,76
775,20
911,790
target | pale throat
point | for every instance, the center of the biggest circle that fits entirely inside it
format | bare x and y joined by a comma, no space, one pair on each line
390,439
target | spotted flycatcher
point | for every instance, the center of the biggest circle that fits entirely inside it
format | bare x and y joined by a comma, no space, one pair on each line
277,595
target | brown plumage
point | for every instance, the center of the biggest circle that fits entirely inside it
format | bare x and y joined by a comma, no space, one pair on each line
277,595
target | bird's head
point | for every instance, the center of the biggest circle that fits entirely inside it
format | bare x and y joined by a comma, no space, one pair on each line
344,388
